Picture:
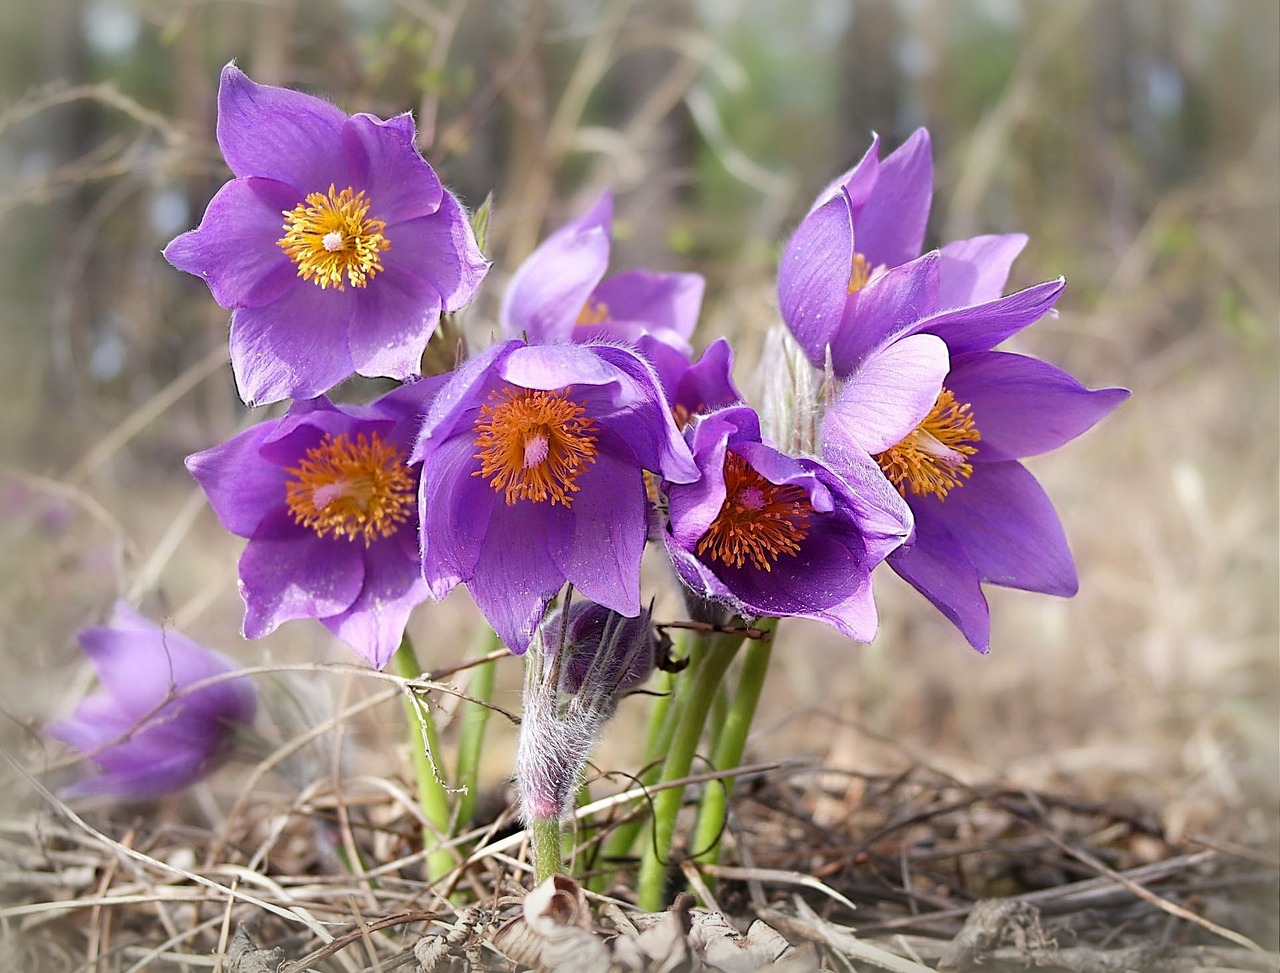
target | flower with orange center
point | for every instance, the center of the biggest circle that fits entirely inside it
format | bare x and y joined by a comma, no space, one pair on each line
331,236
534,445
934,457
360,489
759,521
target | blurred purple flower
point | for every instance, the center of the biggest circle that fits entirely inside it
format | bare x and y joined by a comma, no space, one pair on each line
948,430
150,734
560,293
326,497
335,246
772,535
851,278
533,460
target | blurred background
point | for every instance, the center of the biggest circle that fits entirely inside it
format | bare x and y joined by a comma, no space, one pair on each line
1137,143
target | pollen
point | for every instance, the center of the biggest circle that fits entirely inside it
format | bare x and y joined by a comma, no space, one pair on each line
758,522
333,240
934,457
594,312
859,274
534,445
360,489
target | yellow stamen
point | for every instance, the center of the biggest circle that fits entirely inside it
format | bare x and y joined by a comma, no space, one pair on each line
594,312
331,235
759,521
351,489
534,445
934,457
860,274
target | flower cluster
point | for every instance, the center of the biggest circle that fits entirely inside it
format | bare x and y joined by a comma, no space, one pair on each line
555,455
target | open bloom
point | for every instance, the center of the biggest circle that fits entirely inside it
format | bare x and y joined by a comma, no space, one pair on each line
851,278
335,246
948,431
326,496
560,293
773,535
150,733
533,460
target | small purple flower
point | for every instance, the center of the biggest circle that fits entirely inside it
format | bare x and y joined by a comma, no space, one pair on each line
150,733
335,246
772,535
948,431
560,293
326,497
533,460
852,278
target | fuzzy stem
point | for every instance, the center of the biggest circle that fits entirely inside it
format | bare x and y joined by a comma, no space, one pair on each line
548,856
710,660
732,742
475,719
424,744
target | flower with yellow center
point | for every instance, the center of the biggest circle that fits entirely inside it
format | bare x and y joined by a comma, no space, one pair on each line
534,445
357,489
759,521
331,237
933,458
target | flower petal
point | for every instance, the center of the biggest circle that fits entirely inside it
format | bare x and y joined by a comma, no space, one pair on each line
887,308
384,161
936,565
441,249
984,326
394,318
666,304
239,484
889,228
1023,406
455,510
813,276
974,271
374,624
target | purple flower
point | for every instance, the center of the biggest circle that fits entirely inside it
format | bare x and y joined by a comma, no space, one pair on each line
852,279
773,535
335,246
150,733
326,497
532,476
560,294
704,386
948,431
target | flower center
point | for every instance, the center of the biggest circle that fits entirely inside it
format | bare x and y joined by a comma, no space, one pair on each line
593,312
534,445
331,235
934,457
351,489
860,274
758,522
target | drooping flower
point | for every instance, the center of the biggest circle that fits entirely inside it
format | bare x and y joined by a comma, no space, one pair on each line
335,246
326,496
533,460
150,733
773,535
852,278
948,431
560,293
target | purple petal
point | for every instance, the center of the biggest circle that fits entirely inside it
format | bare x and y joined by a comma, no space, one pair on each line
1024,406
663,303
813,277
890,228
441,249
280,134
240,486
974,271
288,571
384,161
858,182
294,348
234,249
889,394
455,511
393,320
937,566
984,326
374,624
708,384
887,308
1008,528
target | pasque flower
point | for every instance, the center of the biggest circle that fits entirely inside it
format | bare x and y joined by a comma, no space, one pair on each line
560,293
326,496
851,278
335,246
948,428
150,733
533,459
774,535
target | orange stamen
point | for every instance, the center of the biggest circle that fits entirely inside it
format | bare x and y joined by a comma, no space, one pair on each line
759,521
934,457
360,489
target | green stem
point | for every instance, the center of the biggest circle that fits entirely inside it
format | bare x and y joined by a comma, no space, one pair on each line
475,719
424,744
548,859
711,659
731,743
